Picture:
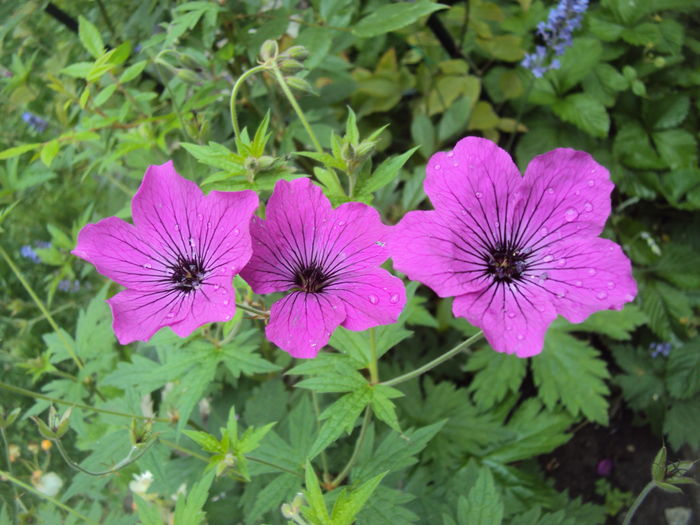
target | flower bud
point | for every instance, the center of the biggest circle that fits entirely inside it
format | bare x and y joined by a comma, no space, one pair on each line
269,50
290,65
7,419
298,52
188,76
299,83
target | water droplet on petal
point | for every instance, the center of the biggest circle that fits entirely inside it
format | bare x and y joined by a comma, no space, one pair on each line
547,258
200,216
577,192
588,207
561,262
450,154
170,315
394,299
373,299
340,223
511,314
478,194
611,285
601,295
561,294
521,337
226,301
592,271
191,241
216,287
544,231
590,183
177,227
629,297
550,190
227,317
544,276
578,283
571,215
509,327
236,231
437,166
147,265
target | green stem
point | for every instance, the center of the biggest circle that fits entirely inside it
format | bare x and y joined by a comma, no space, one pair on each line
36,395
435,362
293,101
234,92
34,491
252,310
128,460
642,495
9,469
356,452
373,366
42,307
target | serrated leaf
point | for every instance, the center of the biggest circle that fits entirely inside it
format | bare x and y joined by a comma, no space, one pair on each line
571,372
216,155
351,502
391,17
584,112
496,375
317,511
204,440
386,172
188,509
683,372
483,504
90,37
615,324
382,406
340,417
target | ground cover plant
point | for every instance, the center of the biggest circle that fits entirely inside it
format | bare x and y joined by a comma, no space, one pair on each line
339,262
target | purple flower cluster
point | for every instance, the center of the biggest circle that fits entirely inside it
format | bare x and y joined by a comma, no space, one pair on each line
514,251
556,35
28,252
35,122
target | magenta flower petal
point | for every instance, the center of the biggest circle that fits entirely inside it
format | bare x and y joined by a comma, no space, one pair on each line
515,251
329,259
178,260
302,323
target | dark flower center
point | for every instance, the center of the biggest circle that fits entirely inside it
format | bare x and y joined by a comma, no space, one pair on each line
188,274
506,265
310,279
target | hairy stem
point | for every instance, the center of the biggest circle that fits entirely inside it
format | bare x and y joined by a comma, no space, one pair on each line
435,362
373,365
293,101
29,488
42,307
642,495
234,92
356,452
36,395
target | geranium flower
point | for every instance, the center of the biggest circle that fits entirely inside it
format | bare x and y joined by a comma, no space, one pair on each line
178,259
515,251
328,259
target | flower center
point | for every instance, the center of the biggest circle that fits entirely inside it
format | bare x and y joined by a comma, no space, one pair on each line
310,279
506,265
188,275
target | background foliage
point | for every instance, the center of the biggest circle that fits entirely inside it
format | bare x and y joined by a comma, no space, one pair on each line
92,99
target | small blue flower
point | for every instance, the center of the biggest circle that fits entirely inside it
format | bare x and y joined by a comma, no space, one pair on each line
557,35
38,123
66,285
29,253
658,349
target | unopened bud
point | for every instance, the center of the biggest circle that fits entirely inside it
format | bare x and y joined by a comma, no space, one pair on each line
290,65
140,432
288,511
298,52
658,467
269,50
188,76
299,83
7,419
365,148
265,162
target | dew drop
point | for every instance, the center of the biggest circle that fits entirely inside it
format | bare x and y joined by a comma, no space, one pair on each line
577,192
578,283
601,295
437,166
226,301
147,266
550,190
629,297
208,225
170,315
590,183
592,271
544,231
341,223
561,262
216,287
177,227
191,241
478,194
588,207
200,216
511,314
236,231
450,154
544,276
611,285
373,299
570,215
394,299
521,337
547,258
509,327
227,317
561,294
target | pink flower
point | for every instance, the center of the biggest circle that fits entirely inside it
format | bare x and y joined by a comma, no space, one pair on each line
515,251
328,259
178,259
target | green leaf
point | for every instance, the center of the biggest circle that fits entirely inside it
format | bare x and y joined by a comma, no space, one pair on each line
496,375
241,356
48,152
454,119
682,422
584,112
577,62
351,502
131,72
149,513
683,373
216,155
386,172
382,406
104,95
423,133
571,372
188,509
18,150
483,504
615,324
340,417
317,511
391,17
330,373
633,147
677,147
666,112
90,37
204,440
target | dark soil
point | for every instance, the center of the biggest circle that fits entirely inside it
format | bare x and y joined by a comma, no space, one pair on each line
632,450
